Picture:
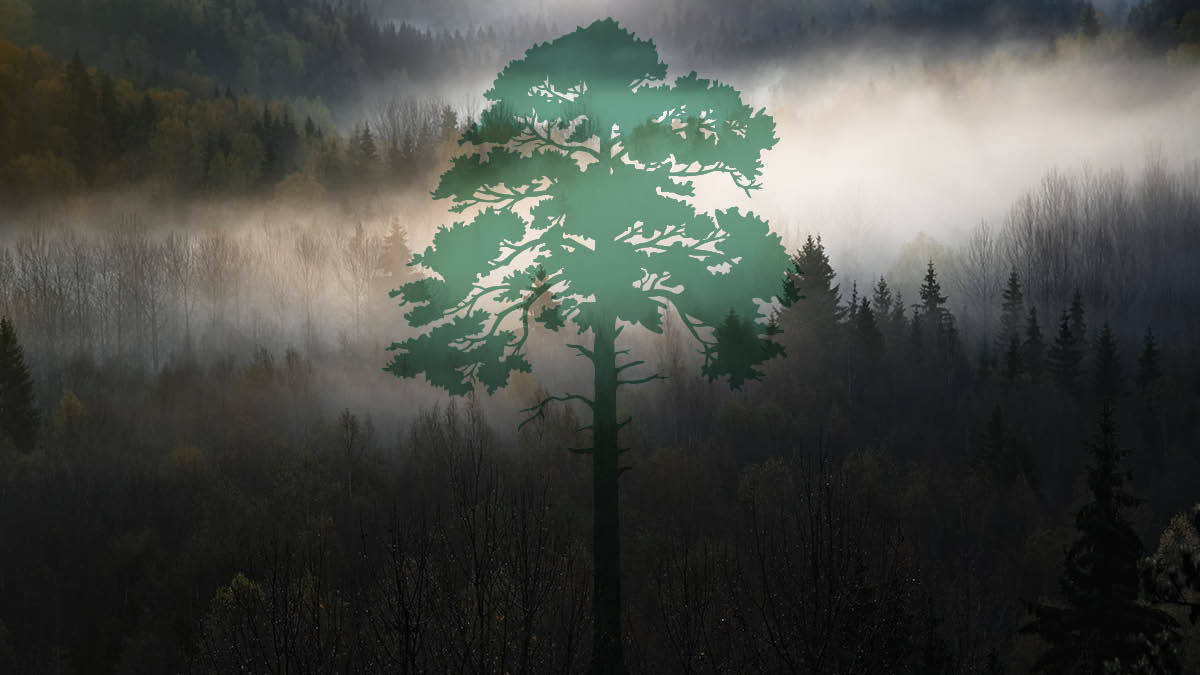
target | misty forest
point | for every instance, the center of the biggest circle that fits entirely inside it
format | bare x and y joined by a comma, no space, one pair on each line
777,336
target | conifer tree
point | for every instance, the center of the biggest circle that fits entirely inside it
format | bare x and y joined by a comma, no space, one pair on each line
1013,358
19,418
1034,347
368,153
866,330
1078,321
881,299
897,322
1101,625
1010,310
985,360
916,335
1149,368
1002,457
1107,374
937,320
607,240
1089,22
1064,356
811,279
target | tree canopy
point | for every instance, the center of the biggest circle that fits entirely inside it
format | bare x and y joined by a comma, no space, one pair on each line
577,178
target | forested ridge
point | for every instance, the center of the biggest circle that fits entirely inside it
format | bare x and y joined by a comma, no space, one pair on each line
68,128
217,497
982,457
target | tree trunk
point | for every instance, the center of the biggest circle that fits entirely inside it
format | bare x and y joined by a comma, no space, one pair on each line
606,548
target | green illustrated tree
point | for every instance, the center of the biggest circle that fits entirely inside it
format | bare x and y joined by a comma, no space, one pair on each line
19,417
575,183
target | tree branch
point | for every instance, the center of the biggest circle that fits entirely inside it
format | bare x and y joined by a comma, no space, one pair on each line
631,364
642,380
584,351
540,408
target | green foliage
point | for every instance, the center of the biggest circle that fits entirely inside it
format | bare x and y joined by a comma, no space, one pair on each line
607,238
19,416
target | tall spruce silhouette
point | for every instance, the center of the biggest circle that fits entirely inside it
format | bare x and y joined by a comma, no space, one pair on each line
1102,624
1064,356
576,178
19,418
1010,311
937,321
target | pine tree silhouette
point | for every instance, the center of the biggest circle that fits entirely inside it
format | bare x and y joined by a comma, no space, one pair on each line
1064,356
571,178
1101,623
937,321
1078,322
1149,368
1106,370
881,299
1014,359
811,279
1011,309
1034,347
19,418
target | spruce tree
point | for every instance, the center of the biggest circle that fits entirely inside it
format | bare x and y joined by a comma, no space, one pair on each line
1089,22
811,299
1010,310
811,279
881,299
1078,321
1013,358
1107,374
1101,624
1034,347
1064,356
19,419
868,337
1149,368
897,322
938,321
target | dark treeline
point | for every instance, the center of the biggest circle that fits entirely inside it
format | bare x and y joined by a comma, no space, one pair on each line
65,127
310,48
883,502
335,50
1124,242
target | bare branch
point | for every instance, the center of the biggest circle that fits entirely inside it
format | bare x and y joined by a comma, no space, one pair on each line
631,364
540,409
642,380
584,351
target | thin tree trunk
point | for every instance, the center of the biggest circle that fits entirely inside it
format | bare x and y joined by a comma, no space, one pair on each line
606,549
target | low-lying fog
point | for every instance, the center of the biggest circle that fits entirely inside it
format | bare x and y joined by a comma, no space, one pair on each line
876,146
